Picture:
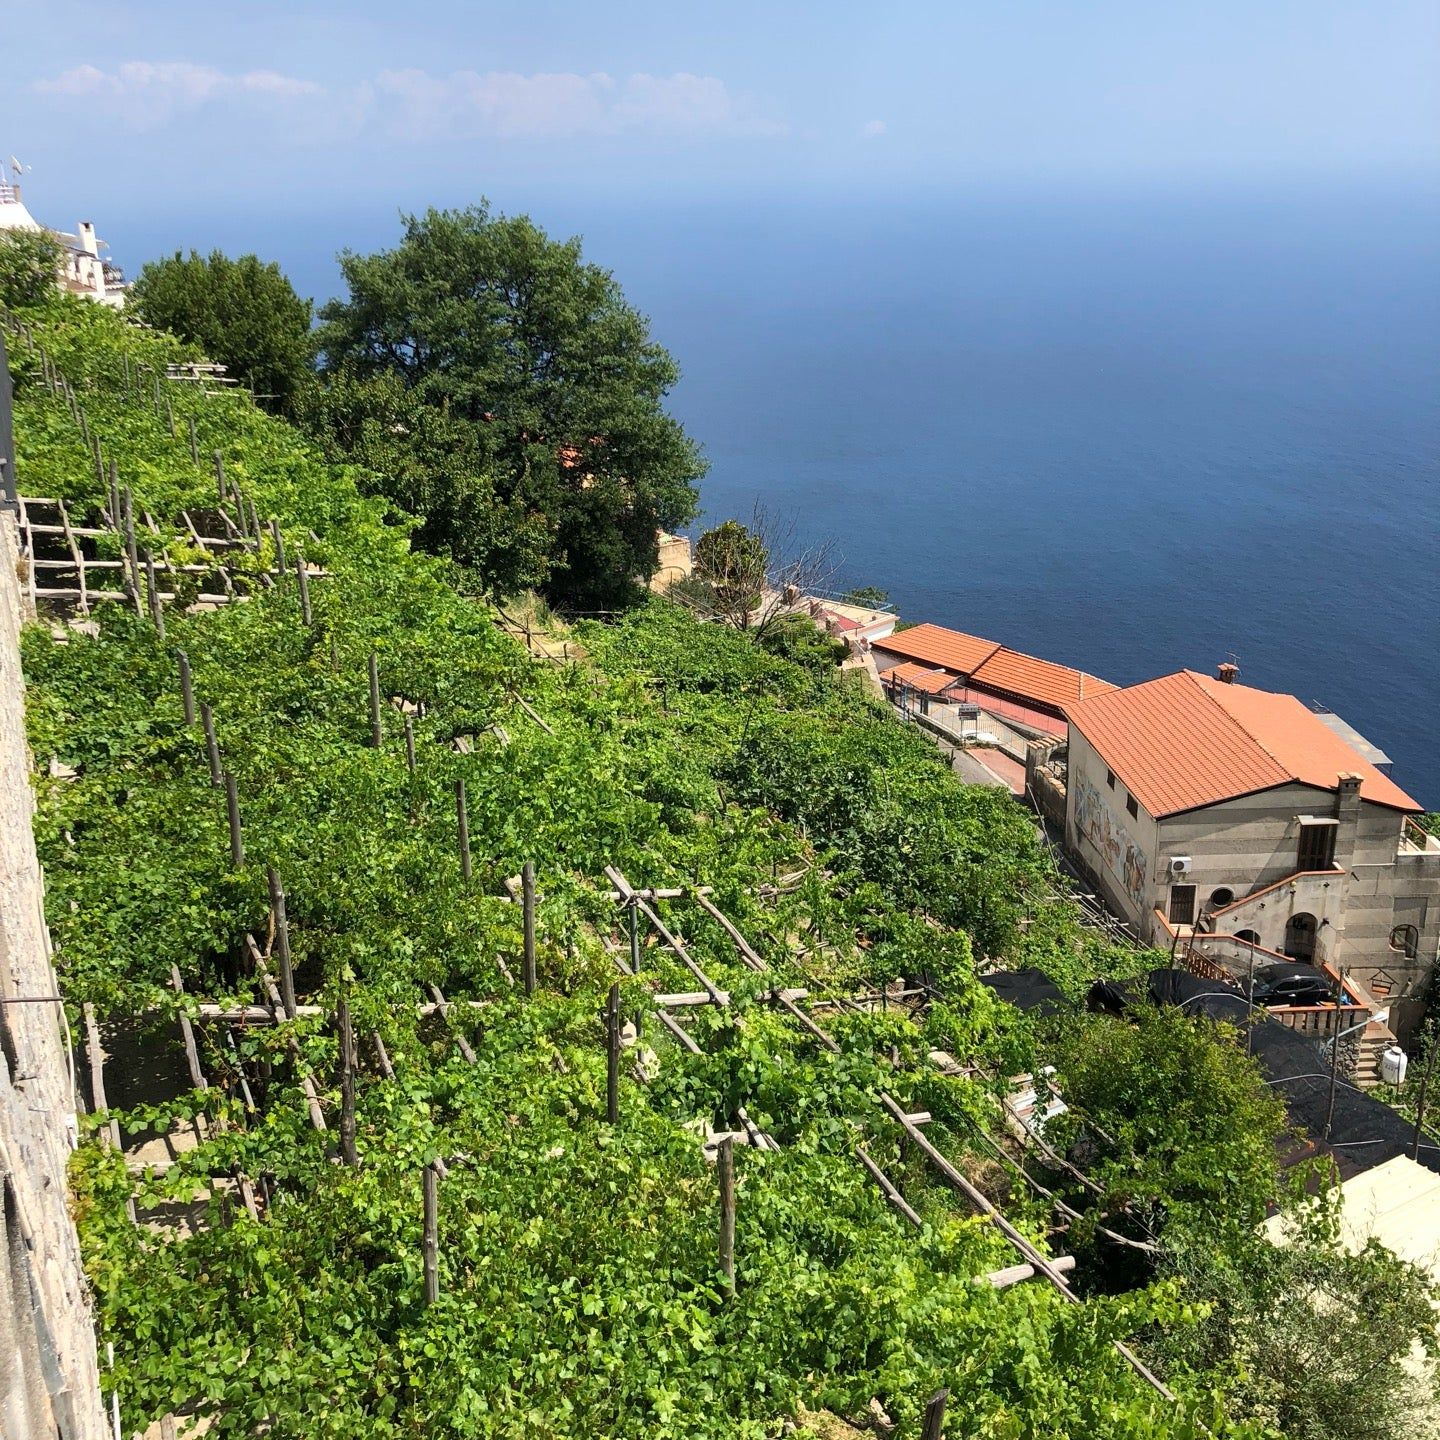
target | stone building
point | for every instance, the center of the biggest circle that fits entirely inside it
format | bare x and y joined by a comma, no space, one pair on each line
83,269
1197,804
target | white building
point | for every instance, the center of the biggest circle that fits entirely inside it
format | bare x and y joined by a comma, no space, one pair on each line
84,271
1196,802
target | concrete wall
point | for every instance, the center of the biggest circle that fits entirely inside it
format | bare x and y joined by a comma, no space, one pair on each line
49,1381
1250,845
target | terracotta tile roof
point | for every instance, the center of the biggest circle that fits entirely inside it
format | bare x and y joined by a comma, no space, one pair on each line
1187,740
936,645
994,666
1040,680
918,677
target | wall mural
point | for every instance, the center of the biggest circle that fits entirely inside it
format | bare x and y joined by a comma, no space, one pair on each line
1122,856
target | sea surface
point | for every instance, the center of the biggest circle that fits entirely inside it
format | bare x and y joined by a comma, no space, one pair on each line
1128,430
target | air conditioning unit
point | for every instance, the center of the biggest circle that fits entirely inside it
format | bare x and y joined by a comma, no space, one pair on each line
1179,865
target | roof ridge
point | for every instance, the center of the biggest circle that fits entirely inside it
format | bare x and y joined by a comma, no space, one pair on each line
1235,720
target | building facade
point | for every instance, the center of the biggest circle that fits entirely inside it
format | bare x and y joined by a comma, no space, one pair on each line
1199,805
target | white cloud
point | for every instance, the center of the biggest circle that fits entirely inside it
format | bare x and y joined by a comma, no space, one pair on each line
145,91
872,128
467,103
415,104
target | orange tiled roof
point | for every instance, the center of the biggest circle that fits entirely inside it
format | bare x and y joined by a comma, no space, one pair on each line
919,677
995,666
936,645
1041,680
1187,740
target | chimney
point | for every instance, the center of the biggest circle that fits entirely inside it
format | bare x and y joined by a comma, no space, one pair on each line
1227,672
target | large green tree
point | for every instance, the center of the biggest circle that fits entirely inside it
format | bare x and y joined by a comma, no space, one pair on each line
243,313
487,318
29,266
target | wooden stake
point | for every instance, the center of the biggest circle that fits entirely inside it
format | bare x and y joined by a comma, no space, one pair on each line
934,1424
157,610
282,942
303,576
432,1235
232,807
279,542
634,908
726,1167
220,481
347,1084
195,449
612,1045
170,416
462,814
127,501
375,734
212,748
410,743
98,1101
192,1052
382,1056
527,901
187,689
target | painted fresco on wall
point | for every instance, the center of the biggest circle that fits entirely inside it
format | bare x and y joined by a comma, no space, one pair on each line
1122,856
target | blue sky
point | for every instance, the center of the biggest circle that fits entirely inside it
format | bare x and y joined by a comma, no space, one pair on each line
307,105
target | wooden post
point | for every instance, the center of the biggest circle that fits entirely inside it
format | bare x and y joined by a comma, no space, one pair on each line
187,689
303,576
726,1166
1420,1100
232,807
432,1235
170,416
634,907
98,1101
375,734
212,748
195,448
282,942
612,1045
279,542
347,1084
934,1424
1334,1055
527,903
132,555
410,743
382,1056
462,815
157,610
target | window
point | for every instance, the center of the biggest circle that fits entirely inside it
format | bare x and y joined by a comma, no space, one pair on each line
1110,778
1222,897
1406,939
1250,937
1317,846
1133,806
1182,904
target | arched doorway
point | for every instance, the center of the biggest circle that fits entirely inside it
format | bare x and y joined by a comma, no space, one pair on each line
1300,937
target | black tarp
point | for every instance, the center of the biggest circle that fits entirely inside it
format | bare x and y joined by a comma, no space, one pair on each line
1030,990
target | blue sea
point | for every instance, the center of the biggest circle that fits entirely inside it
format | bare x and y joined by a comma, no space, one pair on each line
1126,429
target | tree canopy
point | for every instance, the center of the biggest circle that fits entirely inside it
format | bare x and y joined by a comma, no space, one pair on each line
487,319
29,264
243,313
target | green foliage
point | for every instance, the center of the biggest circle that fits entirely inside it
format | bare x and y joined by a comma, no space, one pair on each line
1190,1132
796,638
870,595
733,563
487,318
1315,1339
579,1287
243,313
29,266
